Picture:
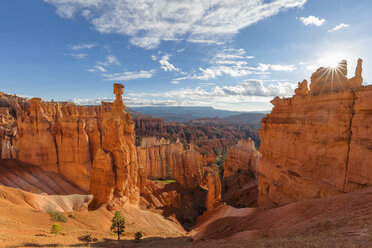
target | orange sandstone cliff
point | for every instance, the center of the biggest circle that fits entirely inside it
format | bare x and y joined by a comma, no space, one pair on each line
240,175
92,147
317,143
92,150
197,185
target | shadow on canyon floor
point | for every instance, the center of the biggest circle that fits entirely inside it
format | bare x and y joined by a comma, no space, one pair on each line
178,242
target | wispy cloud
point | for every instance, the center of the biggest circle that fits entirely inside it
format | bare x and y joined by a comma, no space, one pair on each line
166,66
236,70
200,41
245,95
149,22
81,46
97,68
338,27
231,53
129,75
109,60
312,20
266,67
78,55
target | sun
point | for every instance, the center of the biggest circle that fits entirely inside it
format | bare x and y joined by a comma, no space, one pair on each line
331,60
332,56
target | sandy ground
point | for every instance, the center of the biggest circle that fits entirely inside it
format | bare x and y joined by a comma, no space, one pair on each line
22,223
341,221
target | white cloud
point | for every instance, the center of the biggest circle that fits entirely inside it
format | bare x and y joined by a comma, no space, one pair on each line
205,41
248,95
249,87
154,58
100,68
338,27
81,46
283,67
308,66
166,66
90,101
175,82
97,68
231,53
237,70
109,60
311,67
78,55
148,22
129,75
312,20
231,62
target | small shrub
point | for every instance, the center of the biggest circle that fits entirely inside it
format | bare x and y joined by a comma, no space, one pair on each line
56,228
87,238
137,236
57,216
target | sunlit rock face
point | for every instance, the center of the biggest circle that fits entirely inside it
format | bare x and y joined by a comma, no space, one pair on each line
92,147
160,159
317,143
195,186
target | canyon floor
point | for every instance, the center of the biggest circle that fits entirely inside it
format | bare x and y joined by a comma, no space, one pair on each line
340,221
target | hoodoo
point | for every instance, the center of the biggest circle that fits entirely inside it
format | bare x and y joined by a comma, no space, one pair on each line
240,175
92,147
317,143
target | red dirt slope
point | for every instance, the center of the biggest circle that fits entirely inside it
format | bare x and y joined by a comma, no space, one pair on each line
31,178
349,215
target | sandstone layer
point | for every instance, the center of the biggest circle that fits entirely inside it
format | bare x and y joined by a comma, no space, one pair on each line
317,143
60,148
240,175
197,185
92,147
162,160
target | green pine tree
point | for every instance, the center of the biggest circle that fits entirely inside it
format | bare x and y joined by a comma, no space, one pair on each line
118,224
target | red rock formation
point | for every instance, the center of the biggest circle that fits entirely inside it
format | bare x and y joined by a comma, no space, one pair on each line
92,147
177,200
197,187
317,143
154,124
162,160
31,178
240,170
242,158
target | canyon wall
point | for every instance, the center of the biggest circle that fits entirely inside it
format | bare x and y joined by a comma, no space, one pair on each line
92,150
196,186
92,147
240,175
149,123
242,158
317,143
160,159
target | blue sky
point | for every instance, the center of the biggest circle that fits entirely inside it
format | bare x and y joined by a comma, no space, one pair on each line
232,54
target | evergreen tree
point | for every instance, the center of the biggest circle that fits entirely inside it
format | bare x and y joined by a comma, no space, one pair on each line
118,224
